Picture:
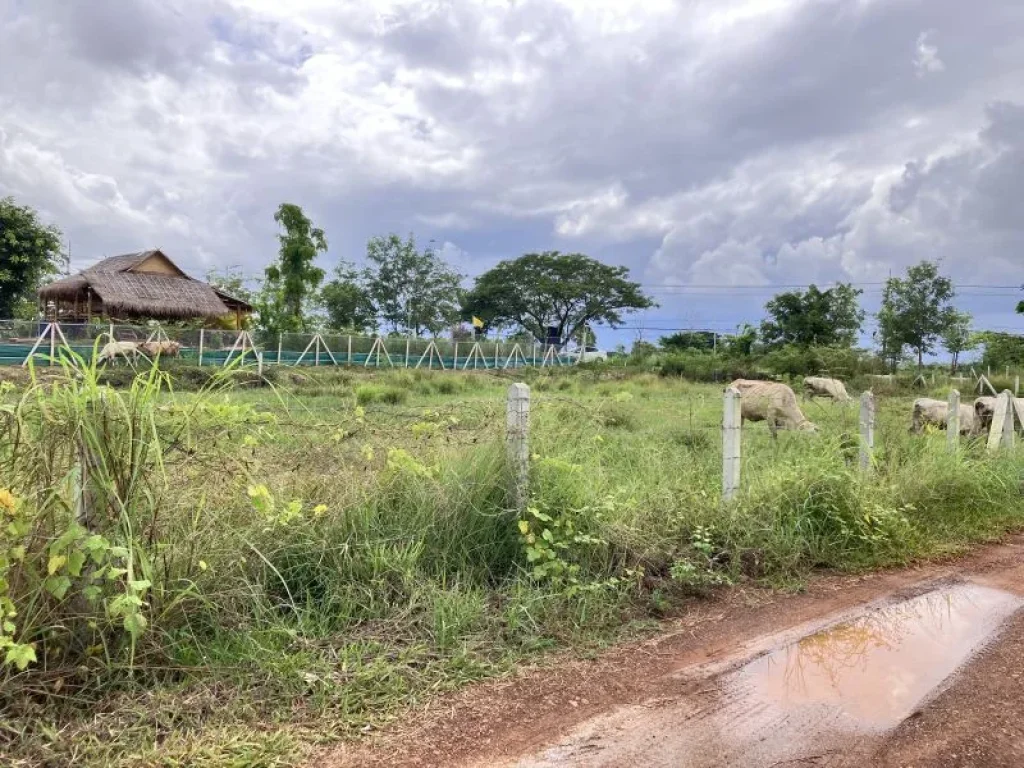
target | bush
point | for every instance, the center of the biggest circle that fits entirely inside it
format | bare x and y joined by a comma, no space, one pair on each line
367,394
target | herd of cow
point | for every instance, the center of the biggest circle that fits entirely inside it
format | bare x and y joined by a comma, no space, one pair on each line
776,403
130,350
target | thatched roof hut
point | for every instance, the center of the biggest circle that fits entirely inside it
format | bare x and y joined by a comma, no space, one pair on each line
138,285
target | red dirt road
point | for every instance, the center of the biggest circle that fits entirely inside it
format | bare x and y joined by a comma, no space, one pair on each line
918,667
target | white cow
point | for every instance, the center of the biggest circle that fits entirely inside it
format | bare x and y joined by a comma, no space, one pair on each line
772,402
935,413
115,349
820,386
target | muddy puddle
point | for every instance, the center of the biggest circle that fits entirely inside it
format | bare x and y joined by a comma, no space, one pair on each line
876,668
824,698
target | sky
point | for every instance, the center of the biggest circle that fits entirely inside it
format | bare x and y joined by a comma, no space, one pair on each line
723,150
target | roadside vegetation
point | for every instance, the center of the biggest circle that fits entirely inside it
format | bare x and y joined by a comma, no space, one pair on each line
244,571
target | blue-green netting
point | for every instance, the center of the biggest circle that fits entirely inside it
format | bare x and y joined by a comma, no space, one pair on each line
15,354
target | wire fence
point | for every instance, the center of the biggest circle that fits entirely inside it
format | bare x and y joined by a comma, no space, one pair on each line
44,342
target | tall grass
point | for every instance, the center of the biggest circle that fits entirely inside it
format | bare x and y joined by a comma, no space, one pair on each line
283,548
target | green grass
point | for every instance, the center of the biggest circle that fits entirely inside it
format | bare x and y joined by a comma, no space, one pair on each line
331,548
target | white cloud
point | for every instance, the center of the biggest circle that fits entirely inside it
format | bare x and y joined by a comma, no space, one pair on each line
926,57
741,141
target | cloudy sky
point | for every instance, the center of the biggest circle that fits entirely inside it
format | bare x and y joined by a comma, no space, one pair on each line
704,143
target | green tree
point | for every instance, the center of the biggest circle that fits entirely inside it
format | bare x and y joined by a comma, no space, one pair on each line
703,341
829,318
741,344
413,291
958,337
232,282
567,292
916,311
292,281
1001,349
29,253
347,302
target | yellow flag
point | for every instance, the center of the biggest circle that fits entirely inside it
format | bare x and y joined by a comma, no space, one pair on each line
477,322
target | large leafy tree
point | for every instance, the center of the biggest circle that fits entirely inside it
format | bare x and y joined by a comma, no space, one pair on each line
29,253
958,337
565,291
414,291
292,280
916,311
830,317
347,301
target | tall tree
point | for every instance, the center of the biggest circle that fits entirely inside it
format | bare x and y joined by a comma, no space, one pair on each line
29,253
958,337
916,310
347,302
413,291
830,318
564,291
292,281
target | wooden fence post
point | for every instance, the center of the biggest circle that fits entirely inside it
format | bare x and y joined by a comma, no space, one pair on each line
953,421
731,434
1001,434
867,430
517,436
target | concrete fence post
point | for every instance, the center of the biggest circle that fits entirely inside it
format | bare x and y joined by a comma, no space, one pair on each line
953,421
202,340
517,437
731,432
1001,434
280,345
867,430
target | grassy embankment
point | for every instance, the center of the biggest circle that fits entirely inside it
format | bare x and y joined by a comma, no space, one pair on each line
258,569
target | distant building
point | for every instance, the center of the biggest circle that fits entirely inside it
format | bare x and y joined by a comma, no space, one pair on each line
138,286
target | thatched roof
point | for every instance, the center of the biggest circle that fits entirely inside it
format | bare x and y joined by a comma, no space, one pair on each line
143,284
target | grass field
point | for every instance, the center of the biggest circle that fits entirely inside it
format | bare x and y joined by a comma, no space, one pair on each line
286,564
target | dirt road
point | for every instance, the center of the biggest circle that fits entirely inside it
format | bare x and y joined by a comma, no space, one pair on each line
919,667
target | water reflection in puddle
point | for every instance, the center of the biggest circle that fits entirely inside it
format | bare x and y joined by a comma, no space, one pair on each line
875,669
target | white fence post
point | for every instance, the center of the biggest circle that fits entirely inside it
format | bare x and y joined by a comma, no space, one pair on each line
731,433
867,430
517,435
953,421
280,343
202,340
1001,434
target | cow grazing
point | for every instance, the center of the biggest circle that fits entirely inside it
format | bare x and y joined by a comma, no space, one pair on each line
985,409
164,348
115,349
820,386
935,413
772,402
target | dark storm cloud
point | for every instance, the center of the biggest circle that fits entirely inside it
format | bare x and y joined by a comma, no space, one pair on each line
733,141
